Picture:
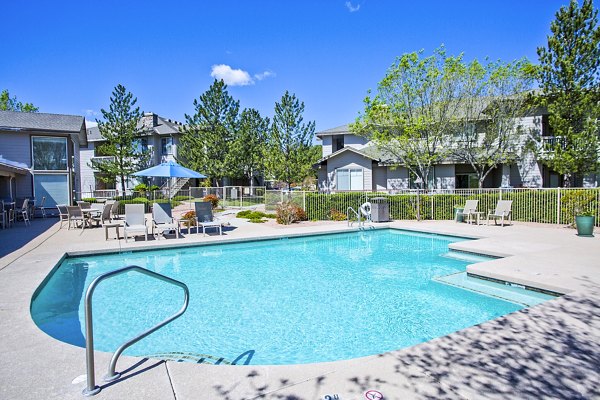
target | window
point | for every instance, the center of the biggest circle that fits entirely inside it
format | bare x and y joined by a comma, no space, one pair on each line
49,153
349,179
467,181
338,143
54,187
166,145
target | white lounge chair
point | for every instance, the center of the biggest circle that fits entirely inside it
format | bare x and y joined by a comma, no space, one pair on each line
162,219
503,211
135,222
63,214
75,215
205,217
469,210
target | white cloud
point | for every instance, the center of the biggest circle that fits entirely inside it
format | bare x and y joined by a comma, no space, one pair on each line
264,75
91,113
351,7
232,77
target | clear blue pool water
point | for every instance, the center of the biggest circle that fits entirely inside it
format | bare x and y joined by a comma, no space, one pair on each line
290,301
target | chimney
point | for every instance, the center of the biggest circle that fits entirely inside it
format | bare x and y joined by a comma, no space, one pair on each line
149,120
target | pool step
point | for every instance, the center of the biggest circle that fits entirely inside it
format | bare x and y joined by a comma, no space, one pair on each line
467,257
508,292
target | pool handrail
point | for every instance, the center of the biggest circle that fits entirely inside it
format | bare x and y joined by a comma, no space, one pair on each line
357,214
91,388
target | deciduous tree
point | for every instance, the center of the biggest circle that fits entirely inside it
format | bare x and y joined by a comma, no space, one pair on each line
8,103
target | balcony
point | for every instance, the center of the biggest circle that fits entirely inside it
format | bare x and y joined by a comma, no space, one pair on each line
96,161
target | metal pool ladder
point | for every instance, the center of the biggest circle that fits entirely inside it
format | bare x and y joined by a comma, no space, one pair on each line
91,388
355,213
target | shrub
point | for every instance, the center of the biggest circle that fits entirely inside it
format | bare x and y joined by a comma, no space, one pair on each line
288,213
153,188
182,198
214,200
90,199
189,216
141,187
257,220
335,215
249,214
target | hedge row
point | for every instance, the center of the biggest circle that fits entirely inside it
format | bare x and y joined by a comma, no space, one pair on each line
528,205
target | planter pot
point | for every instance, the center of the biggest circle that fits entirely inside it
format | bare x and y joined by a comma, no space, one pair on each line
585,225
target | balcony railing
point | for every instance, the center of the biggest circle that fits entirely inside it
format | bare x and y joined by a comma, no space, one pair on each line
549,143
95,161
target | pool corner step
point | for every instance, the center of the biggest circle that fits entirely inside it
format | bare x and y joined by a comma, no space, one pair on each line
508,292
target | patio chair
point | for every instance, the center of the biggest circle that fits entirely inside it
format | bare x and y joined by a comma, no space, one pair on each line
103,216
24,211
114,211
83,204
162,219
135,222
63,214
469,210
205,217
41,207
75,215
502,211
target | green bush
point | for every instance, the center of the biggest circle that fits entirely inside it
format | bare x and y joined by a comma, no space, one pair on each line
257,220
90,199
182,198
141,187
249,214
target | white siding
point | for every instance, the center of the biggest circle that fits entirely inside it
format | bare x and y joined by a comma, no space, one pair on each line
86,173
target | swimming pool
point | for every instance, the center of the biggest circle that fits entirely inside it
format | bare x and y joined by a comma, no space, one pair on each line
283,301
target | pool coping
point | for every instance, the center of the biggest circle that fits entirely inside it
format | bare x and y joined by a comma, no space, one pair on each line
170,380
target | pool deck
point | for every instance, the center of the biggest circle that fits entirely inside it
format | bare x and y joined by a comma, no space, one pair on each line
548,351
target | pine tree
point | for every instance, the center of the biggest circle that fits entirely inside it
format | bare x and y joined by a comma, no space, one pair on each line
119,129
208,133
289,154
569,74
247,150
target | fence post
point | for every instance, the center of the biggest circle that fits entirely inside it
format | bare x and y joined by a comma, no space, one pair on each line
558,200
304,200
432,207
500,194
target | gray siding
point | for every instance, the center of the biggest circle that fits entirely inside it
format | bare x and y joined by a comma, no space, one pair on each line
327,146
444,176
397,178
380,177
356,142
349,159
16,146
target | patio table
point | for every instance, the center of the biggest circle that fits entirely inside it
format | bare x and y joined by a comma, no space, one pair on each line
88,213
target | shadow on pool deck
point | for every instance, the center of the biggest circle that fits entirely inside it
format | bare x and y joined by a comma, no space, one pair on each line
18,235
548,351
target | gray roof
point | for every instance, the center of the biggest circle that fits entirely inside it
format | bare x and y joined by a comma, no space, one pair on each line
14,120
339,130
164,127
369,152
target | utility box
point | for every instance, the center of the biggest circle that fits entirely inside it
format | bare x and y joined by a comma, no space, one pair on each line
380,209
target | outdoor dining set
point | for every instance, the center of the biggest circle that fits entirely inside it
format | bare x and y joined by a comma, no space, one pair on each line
106,215
13,211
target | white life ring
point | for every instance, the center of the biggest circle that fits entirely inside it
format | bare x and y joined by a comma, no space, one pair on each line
365,209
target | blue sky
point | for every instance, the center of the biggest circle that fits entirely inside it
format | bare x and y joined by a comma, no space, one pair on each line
67,56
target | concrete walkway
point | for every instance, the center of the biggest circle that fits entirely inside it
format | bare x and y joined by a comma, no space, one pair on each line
548,351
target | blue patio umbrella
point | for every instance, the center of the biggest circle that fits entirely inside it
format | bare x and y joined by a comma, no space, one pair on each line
170,169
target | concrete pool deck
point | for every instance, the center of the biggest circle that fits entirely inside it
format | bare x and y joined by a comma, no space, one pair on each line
550,350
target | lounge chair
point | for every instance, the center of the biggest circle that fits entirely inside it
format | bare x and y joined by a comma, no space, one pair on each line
469,210
114,210
63,214
502,211
205,217
41,207
135,223
162,219
24,211
83,204
75,215
103,216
